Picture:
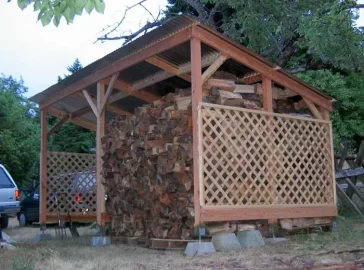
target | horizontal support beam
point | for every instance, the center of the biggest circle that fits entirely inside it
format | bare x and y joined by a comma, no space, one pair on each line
266,212
240,54
153,49
77,121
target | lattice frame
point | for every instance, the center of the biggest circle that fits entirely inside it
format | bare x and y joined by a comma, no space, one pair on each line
251,158
71,179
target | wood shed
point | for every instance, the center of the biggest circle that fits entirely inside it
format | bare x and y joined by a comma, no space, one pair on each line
254,141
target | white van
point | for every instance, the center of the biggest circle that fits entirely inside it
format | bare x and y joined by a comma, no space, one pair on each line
9,197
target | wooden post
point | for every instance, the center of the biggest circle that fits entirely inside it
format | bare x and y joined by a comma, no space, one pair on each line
100,132
43,166
268,106
196,85
267,94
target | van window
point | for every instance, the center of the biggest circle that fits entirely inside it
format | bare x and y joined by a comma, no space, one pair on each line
5,181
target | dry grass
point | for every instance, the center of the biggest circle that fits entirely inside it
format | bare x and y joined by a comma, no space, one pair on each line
302,250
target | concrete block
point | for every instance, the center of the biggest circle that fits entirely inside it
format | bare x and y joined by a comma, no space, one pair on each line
199,248
225,242
250,239
39,237
7,238
7,246
99,241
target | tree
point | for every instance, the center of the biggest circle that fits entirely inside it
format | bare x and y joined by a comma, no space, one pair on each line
19,132
70,137
348,116
56,9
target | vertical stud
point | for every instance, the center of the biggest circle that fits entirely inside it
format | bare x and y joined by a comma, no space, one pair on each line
196,85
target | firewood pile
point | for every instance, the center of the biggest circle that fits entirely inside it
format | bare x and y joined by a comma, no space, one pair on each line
148,164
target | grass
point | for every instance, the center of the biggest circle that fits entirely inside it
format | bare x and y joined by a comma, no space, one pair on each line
76,253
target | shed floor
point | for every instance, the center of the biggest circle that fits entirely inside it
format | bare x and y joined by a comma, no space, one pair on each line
300,252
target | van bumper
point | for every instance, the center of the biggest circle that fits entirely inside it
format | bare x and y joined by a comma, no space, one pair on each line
9,210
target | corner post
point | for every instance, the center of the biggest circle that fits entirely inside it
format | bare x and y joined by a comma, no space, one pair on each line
43,167
267,94
196,85
100,132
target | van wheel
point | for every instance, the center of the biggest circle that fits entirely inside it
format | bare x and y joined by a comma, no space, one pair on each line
4,222
22,219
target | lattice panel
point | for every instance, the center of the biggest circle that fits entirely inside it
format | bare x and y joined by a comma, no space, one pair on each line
71,180
254,158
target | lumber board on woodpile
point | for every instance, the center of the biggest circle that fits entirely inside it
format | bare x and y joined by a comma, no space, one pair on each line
277,93
169,243
304,223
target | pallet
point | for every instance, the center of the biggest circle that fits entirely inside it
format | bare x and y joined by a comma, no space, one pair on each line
133,241
169,243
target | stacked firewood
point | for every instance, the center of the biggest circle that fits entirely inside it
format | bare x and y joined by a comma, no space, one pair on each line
148,162
147,167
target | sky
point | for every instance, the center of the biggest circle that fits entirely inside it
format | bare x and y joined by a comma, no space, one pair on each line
40,54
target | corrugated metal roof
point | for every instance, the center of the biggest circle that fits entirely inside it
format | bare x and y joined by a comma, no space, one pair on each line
178,56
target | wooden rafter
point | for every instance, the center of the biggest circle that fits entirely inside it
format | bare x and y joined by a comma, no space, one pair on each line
77,121
128,90
163,75
313,109
91,103
169,67
213,68
151,50
255,63
56,127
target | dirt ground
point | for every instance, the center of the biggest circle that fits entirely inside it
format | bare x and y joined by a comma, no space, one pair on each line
302,251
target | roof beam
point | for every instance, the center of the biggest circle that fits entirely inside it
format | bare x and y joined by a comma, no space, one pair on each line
149,51
169,67
77,121
241,55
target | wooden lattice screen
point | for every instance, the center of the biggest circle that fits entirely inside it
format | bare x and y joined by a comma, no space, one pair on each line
71,180
252,158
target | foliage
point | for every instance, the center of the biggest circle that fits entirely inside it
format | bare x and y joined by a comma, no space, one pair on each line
19,131
298,35
348,116
49,10
70,137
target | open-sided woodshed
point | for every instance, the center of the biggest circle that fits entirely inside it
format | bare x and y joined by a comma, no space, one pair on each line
189,108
